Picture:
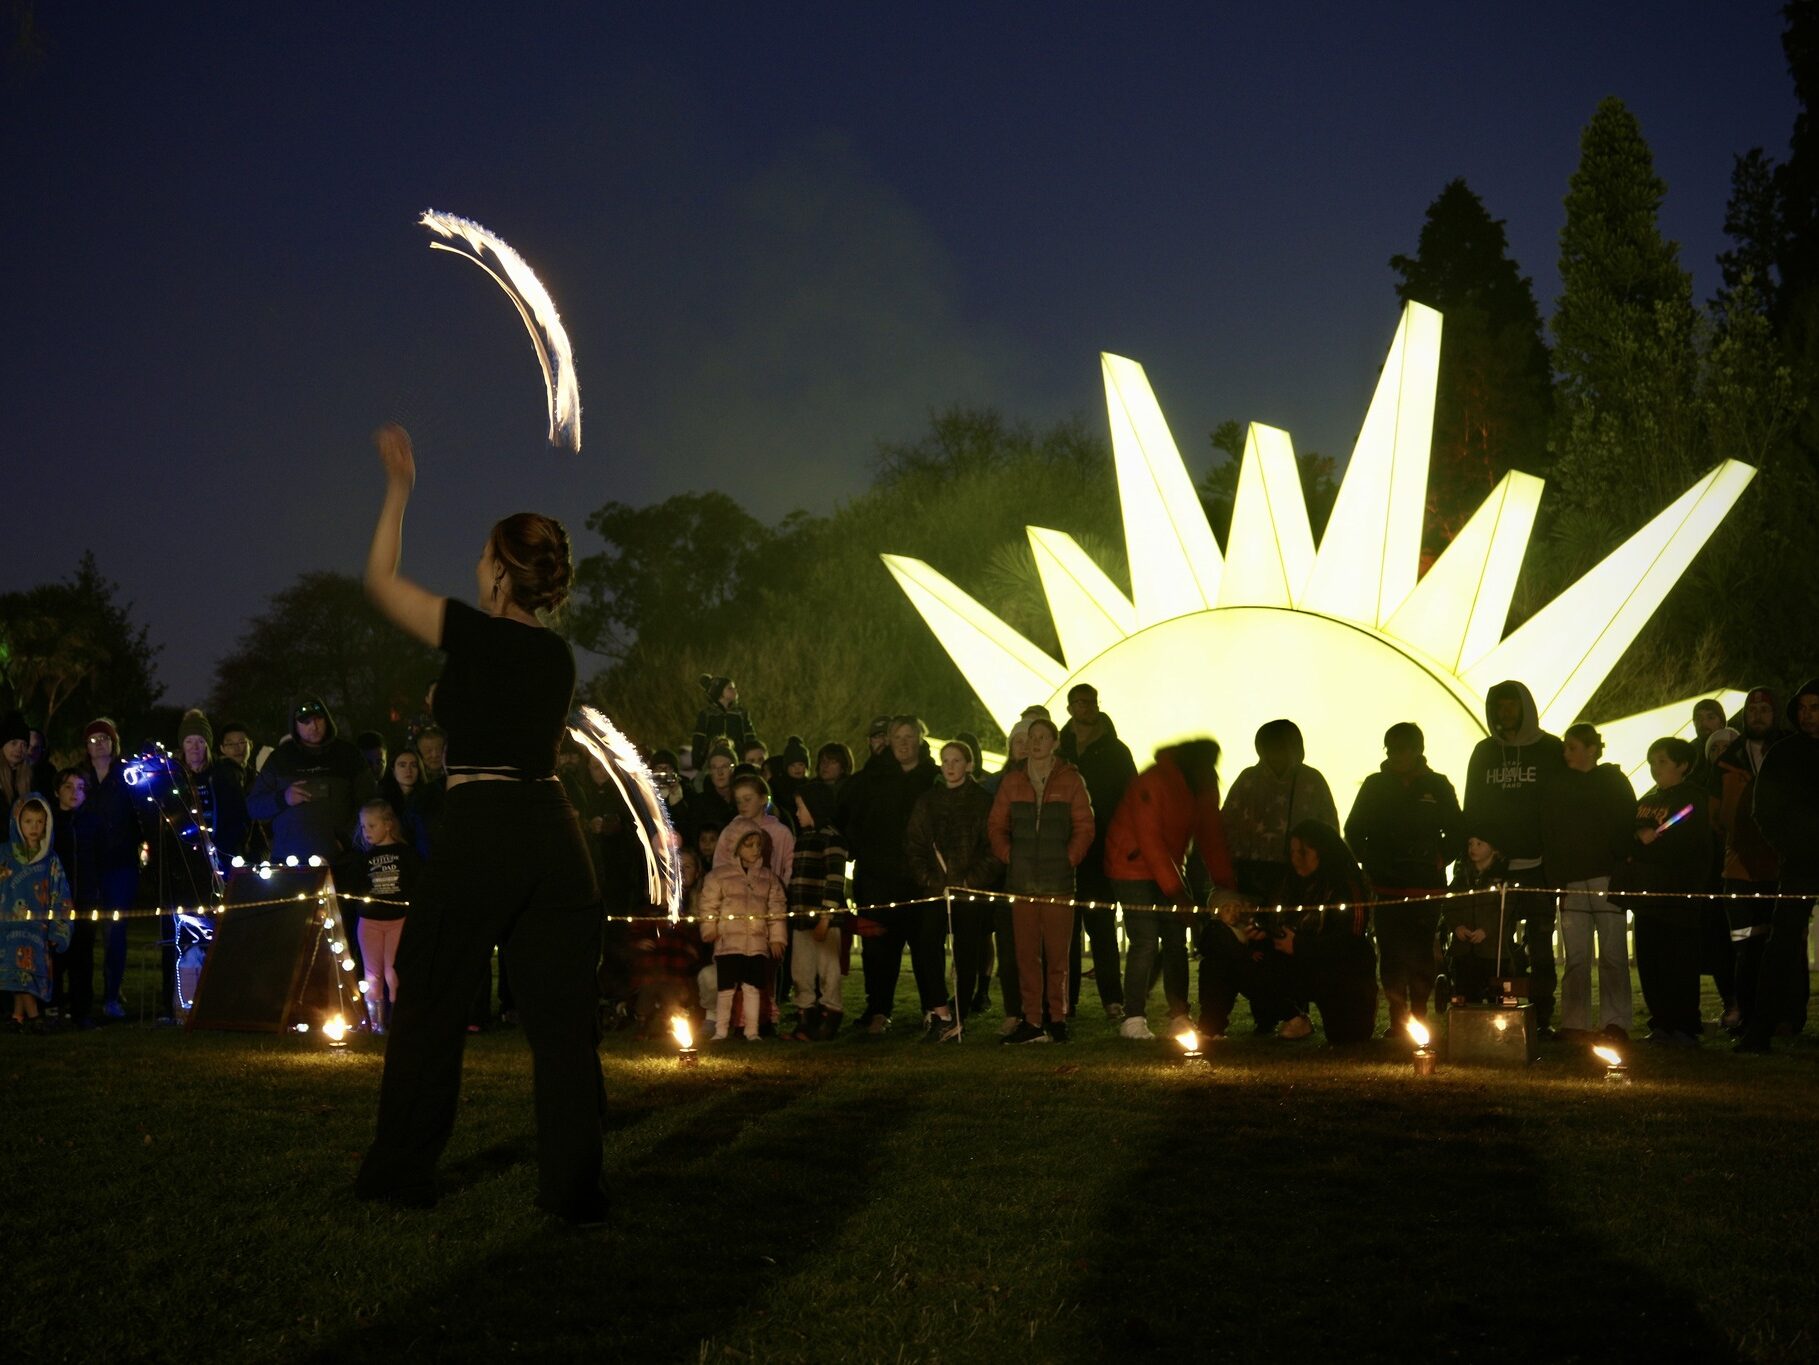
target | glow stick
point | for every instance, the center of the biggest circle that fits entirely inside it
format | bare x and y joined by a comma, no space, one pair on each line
531,299
1673,819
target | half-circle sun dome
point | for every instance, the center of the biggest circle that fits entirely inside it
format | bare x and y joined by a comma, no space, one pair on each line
1345,639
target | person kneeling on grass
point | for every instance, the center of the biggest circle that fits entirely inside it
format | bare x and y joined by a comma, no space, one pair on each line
1333,964
34,910
742,914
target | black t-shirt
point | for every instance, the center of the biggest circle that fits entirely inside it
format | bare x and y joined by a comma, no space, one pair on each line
504,694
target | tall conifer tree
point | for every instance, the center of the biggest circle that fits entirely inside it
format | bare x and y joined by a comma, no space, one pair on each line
1495,395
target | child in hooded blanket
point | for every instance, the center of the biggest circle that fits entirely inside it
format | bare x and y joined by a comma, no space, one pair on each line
32,888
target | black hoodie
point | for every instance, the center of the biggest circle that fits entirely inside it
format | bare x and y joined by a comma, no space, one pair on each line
875,819
1588,823
338,778
1504,779
1786,800
1406,831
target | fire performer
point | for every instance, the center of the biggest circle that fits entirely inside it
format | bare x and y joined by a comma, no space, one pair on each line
513,867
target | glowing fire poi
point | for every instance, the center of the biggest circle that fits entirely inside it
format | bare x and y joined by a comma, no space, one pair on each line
650,813
535,307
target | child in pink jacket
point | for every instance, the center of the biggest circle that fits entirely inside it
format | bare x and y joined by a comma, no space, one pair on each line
742,914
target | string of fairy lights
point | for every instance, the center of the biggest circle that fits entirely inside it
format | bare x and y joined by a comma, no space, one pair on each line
954,895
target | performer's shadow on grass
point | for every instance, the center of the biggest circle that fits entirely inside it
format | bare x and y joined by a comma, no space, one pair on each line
1351,1225
697,1232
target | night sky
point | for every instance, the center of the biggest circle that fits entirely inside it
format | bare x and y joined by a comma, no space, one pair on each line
777,234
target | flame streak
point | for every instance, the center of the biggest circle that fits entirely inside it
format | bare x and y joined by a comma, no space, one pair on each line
1418,1032
535,307
1609,1056
650,813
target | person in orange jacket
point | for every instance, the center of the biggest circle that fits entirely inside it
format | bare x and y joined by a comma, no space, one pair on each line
1041,827
1170,803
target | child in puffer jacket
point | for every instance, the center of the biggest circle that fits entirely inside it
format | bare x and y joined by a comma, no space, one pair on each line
742,915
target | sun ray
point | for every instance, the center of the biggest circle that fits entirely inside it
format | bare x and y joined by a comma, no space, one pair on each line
1090,613
1630,736
1270,550
1457,611
1567,649
1175,563
1005,671
1370,552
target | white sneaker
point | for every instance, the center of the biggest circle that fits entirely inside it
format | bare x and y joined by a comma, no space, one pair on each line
1298,1027
1136,1026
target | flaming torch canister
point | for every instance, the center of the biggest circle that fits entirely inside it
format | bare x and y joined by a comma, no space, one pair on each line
1424,1052
687,1055
1616,1071
1193,1051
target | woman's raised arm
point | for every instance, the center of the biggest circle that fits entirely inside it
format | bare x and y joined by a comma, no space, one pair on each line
405,604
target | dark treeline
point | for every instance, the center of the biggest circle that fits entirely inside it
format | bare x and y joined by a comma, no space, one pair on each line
1621,399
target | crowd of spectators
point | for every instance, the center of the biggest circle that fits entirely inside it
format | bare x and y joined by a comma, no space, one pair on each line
1010,890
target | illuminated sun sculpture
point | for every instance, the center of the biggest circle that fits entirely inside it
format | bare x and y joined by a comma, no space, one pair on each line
1345,640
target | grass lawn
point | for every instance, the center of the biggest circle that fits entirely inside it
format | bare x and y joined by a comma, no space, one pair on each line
187,1197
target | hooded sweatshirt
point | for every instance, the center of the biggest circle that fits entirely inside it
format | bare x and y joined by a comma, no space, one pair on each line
337,775
32,886
1504,779
1786,801
1748,857
1588,823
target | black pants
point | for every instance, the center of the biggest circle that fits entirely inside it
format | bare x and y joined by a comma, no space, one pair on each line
923,930
1667,965
1782,983
1005,933
1537,912
972,945
1750,923
73,973
1100,929
1716,958
1405,950
1230,967
1341,981
514,870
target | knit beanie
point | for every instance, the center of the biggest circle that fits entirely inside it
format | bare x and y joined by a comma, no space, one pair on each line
795,751
13,726
101,725
714,687
195,723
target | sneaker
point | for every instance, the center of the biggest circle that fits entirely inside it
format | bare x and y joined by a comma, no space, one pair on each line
953,1031
1136,1026
1057,1032
879,1023
934,1025
1026,1032
1298,1027
1010,1025
113,1009
1617,1033
1114,1011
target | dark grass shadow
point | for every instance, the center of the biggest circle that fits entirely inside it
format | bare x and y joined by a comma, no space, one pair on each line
698,1231
1329,1223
